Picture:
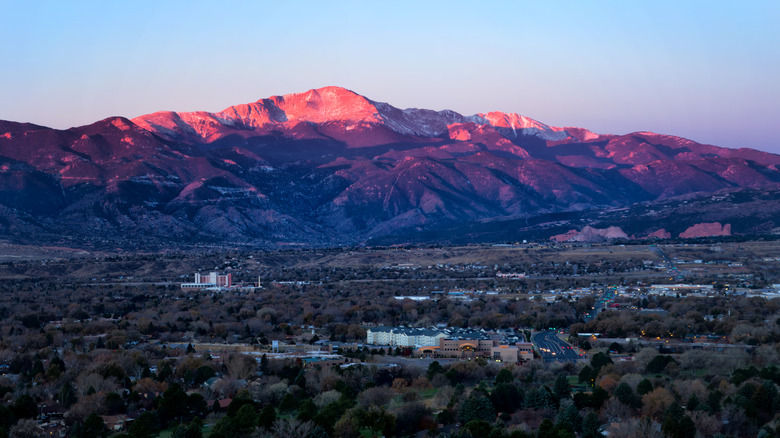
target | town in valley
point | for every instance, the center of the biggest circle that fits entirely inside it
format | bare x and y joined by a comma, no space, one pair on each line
514,339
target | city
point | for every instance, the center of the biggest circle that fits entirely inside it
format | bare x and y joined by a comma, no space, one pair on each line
303,328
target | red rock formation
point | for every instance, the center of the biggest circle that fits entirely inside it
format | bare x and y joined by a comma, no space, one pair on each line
707,230
659,234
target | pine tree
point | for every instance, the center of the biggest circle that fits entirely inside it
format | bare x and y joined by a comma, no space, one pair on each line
561,388
591,428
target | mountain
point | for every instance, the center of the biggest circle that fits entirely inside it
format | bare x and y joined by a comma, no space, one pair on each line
332,167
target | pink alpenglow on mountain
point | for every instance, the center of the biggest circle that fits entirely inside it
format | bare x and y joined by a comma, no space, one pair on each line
332,167
707,230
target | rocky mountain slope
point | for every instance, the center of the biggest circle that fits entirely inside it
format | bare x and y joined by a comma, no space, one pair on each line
331,167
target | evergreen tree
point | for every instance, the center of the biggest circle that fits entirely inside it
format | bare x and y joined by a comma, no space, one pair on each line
504,376
569,414
598,361
433,369
693,403
477,407
25,407
93,427
543,398
264,365
644,387
599,397
288,403
67,396
587,375
626,395
506,398
144,426
193,429
561,387
246,419
591,428
676,424
267,417
306,410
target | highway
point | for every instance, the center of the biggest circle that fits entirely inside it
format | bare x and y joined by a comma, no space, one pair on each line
603,300
552,348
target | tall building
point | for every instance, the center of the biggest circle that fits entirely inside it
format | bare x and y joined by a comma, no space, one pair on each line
211,280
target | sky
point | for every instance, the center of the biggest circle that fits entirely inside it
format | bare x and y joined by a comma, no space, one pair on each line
704,70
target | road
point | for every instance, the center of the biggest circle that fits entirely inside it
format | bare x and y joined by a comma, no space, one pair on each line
671,267
602,301
552,348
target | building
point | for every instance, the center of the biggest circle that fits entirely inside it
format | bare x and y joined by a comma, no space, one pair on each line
403,336
465,348
520,352
213,280
462,348
453,342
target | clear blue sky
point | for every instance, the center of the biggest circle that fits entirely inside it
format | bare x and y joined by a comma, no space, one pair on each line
705,70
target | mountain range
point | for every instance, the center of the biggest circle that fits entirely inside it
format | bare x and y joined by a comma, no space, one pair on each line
331,167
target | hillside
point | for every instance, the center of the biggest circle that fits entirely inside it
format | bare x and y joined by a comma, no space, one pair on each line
331,167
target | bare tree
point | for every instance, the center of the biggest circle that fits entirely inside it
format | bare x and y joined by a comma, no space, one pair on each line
26,428
636,428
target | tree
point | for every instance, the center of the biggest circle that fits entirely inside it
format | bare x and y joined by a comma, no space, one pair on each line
655,402
477,407
676,423
598,396
306,410
413,417
173,404
25,407
224,428
264,365
546,429
478,428
433,369
598,361
267,417
93,427
300,380
144,426
587,375
543,398
644,387
67,395
693,403
658,364
347,427
288,403
202,374
626,395
506,398
246,419
591,427
504,376
570,415
25,428
376,420
561,388
113,404
713,401
193,429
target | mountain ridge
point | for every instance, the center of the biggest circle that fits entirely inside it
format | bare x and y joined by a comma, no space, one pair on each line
331,167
